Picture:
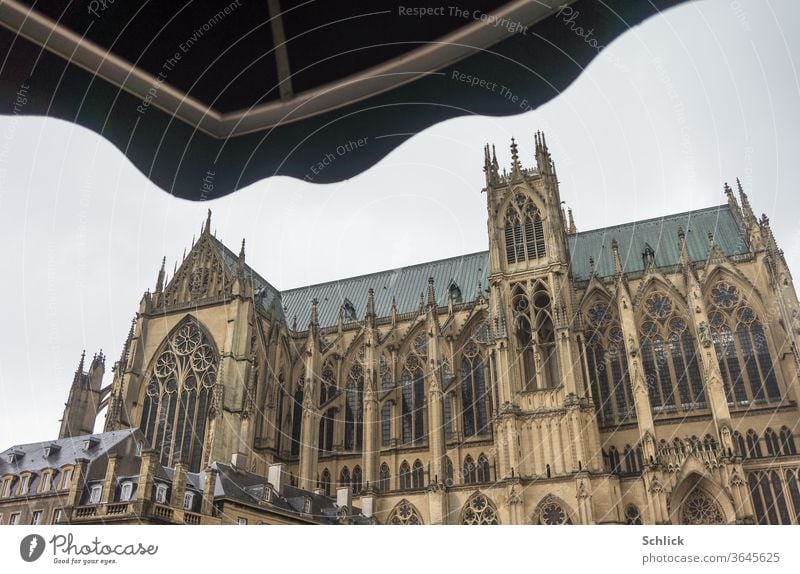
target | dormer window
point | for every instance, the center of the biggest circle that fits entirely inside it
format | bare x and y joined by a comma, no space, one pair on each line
126,491
188,501
47,482
455,292
89,443
15,455
5,487
161,493
66,478
25,485
51,449
95,493
349,310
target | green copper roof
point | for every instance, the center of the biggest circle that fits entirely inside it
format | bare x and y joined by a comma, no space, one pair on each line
466,272
405,284
662,235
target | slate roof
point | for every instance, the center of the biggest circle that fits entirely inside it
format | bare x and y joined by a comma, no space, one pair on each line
69,449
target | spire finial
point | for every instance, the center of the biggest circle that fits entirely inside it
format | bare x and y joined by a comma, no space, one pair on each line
728,190
314,312
83,358
514,155
431,293
618,268
370,302
161,273
208,222
572,229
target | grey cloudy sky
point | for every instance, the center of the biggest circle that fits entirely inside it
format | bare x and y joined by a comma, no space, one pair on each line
656,124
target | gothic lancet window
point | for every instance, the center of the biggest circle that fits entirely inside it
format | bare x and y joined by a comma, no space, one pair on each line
742,350
418,474
535,332
608,368
326,428
386,424
356,479
404,514
474,403
413,393
669,357
344,477
470,472
325,482
405,476
327,387
178,396
384,477
297,415
523,230
354,409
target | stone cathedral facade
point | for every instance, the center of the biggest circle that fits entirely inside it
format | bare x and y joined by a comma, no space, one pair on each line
642,373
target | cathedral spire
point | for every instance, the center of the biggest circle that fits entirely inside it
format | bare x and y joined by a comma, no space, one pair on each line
747,211
515,167
431,294
160,280
80,364
207,228
240,261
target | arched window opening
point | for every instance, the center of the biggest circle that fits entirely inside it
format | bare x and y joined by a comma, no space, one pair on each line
354,410
479,510
608,368
325,482
773,443
448,471
448,416
523,231
356,479
470,472
404,514
386,424
700,508
405,476
535,339
326,425
742,350
552,513
483,470
344,477
753,445
788,446
413,393
669,357
384,478
178,396
418,475
738,440
474,403
327,387
613,460
632,515
774,493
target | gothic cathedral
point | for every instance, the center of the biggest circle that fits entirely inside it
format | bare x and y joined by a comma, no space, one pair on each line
645,373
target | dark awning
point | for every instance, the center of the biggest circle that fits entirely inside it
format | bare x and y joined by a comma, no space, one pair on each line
208,97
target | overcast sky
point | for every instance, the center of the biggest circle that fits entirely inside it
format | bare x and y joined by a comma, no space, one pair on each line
656,124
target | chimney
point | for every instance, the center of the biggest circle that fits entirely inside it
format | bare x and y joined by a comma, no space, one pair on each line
276,476
368,506
344,497
239,461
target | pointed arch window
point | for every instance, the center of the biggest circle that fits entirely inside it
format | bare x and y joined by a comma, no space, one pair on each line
536,338
608,369
326,429
418,475
669,357
475,406
344,477
448,416
386,424
356,479
479,510
775,496
325,482
700,508
742,350
741,448
404,514
354,409
470,472
523,230
413,393
753,445
179,394
788,446
773,444
405,476
551,513
483,469
632,515
384,477
327,387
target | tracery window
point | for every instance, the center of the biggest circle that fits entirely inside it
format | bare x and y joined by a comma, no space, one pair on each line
354,409
356,479
700,508
776,499
482,469
470,472
551,513
474,403
787,442
632,515
413,393
524,231
634,462
386,424
326,429
386,374
405,476
384,477
178,396
535,338
404,514
418,474
742,350
773,444
479,510
448,416
608,368
753,445
669,357
325,482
